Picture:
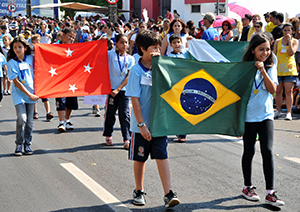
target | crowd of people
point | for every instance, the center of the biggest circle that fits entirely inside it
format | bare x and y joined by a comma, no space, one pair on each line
131,44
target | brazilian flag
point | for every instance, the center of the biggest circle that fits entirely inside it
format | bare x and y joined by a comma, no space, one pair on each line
192,97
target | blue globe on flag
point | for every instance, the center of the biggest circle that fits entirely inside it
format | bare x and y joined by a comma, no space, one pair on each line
198,96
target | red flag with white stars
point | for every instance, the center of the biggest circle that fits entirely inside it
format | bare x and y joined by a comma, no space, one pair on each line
64,70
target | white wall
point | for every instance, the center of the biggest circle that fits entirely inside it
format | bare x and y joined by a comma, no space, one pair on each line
185,10
46,12
289,8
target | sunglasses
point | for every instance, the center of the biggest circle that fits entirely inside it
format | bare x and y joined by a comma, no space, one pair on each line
256,26
225,25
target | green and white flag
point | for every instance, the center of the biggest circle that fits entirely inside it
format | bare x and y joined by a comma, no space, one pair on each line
217,51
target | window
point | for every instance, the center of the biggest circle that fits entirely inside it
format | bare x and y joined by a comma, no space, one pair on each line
196,8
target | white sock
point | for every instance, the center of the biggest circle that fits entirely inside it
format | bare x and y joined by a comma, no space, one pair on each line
67,120
62,122
270,191
247,187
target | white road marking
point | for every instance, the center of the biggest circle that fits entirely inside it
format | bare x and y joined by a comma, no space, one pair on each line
94,187
232,138
297,160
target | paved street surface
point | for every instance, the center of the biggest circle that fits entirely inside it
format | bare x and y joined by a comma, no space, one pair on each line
75,171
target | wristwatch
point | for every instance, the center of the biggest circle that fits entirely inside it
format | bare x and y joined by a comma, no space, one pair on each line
141,124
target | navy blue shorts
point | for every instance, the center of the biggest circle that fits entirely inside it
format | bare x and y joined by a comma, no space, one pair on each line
66,102
45,99
140,148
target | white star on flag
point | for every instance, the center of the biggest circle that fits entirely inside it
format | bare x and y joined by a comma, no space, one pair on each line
52,71
69,52
88,68
72,88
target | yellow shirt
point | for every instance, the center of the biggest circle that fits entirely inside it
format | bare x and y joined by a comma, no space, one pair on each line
286,65
164,33
270,26
250,33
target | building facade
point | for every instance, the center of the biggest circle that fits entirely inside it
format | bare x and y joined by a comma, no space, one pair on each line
188,9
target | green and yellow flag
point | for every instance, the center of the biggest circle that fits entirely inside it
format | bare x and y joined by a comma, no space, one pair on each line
192,97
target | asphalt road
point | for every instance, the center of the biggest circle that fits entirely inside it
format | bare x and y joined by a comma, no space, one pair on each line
206,170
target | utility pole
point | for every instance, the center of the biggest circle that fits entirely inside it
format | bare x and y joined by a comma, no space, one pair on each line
113,13
28,8
217,7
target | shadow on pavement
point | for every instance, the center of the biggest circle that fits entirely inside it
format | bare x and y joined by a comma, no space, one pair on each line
212,205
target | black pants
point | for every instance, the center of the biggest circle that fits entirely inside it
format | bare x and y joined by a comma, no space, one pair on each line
121,103
265,131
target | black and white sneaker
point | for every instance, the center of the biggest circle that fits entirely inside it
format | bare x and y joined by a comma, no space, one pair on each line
18,151
69,126
27,150
171,199
98,113
61,127
139,198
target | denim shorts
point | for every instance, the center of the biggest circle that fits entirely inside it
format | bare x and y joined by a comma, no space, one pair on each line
287,79
140,148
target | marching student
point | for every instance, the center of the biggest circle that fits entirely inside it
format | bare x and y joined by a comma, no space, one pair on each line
119,63
176,43
259,118
65,105
34,40
142,143
5,49
20,71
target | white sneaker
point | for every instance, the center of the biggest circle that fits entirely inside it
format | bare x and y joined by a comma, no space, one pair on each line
61,127
69,126
277,114
98,113
288,117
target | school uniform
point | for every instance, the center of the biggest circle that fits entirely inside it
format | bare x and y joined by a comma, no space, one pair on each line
118,69
185,55
184,42
140,85
23,104
65,102
259,120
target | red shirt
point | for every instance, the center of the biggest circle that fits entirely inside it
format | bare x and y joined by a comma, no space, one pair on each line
169,16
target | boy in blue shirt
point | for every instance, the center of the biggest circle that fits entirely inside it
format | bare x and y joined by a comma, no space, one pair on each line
175,41
142,144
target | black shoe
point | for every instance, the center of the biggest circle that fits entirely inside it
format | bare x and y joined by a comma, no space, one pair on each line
171,199
49,116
